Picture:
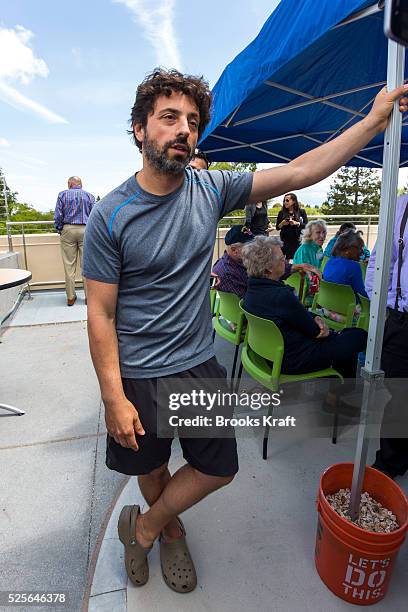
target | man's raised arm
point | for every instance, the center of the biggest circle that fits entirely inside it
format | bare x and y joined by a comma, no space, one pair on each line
318,164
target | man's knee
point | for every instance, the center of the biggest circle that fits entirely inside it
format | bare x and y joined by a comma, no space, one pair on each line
214,482
226,480
158,473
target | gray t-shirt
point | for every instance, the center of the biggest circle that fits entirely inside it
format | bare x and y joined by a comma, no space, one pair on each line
158,249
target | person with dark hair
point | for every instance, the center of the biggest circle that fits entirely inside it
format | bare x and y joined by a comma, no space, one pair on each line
365,253
167,83
291,221
343,266
309,344
256,218
147,260
199,161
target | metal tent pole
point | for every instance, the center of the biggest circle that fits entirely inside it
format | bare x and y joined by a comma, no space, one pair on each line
372,372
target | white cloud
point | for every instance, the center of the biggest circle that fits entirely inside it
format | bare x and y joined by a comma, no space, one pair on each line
157,24
18,63
11,96
17,60
4,142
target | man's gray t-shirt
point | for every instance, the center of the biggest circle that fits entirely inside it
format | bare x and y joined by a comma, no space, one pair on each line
158,249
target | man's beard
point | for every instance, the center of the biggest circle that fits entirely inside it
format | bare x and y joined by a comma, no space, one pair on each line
158,158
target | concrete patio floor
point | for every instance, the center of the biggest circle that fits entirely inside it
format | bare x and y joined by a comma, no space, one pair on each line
252,542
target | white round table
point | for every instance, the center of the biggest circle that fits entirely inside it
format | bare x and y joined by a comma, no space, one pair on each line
13,277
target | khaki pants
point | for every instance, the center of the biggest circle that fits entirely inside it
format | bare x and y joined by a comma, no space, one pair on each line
72,240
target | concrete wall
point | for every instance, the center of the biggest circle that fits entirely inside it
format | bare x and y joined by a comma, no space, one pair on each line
8,297
42,257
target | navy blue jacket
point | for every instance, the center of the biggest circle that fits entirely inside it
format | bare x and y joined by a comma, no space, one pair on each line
276,301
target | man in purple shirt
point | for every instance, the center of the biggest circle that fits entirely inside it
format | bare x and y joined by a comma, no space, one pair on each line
230,270
392,456
71,214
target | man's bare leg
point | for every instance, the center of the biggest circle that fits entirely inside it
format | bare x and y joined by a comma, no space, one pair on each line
152,486
184,489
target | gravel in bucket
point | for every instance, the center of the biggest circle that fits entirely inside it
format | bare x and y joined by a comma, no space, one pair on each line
373,516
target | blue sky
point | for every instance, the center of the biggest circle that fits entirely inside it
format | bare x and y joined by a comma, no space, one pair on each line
69,71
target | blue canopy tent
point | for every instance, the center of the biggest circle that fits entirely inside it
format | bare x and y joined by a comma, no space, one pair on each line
312,72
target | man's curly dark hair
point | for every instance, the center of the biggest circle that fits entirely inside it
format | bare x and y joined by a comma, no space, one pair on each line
163,82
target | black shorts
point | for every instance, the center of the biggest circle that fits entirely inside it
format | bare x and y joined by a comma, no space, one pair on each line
212,456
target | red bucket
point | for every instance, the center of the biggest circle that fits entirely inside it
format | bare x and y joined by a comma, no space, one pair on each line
356,564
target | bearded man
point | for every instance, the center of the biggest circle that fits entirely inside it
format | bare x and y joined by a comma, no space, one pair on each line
147,261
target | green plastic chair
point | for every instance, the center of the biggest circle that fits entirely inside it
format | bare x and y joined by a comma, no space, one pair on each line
228,310
338,298
324,262
297,281
213,295
261,358
364,317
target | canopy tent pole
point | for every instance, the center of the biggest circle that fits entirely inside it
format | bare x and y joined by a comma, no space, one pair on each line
372,373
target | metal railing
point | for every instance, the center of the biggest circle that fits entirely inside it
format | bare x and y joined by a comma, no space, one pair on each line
23,234
366,220
9,225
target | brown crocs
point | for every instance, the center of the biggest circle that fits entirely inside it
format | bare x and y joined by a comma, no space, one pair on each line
177,565
135,555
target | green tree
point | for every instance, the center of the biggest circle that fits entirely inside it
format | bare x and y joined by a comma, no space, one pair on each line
403,190
234,166
19,211
11,198
26,212
355,191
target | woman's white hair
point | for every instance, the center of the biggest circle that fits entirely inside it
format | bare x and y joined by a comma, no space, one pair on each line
261,255
307,232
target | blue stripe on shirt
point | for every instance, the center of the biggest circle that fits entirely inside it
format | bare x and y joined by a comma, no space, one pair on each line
198,182
117,209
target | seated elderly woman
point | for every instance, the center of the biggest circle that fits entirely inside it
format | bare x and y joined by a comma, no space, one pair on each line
310,251
344,227
313,237
309,345
343,267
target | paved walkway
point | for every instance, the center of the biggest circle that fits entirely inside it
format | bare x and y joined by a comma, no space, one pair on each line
253,542
55,487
